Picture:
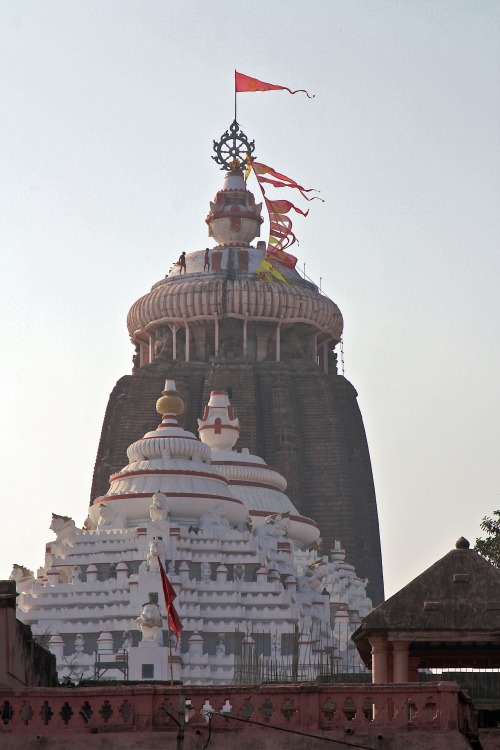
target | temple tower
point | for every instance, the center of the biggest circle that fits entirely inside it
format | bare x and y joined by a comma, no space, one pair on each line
270,344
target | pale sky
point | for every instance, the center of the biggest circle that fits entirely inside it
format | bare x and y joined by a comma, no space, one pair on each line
109,110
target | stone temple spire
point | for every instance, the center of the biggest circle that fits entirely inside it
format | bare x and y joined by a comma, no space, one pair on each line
218,326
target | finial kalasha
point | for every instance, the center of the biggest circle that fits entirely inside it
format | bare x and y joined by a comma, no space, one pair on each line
169,402
232,148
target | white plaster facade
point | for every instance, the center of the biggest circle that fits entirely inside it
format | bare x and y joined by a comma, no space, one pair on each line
240,557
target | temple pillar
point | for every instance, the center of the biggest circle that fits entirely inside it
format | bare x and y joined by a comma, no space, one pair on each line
200,343
151,349
216,336
261,345
379,660
188,339
400,661
278,342
245,335
325,357
174,328
315,349
143,353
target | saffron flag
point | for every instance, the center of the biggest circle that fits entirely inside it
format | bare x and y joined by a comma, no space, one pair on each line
280,225
243,83
280,180
174,621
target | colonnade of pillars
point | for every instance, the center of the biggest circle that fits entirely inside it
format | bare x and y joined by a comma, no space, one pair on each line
198,334
390,660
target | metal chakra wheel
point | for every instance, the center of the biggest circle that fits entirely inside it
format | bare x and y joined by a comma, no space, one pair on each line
232,148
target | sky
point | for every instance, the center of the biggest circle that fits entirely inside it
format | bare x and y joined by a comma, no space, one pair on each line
110,109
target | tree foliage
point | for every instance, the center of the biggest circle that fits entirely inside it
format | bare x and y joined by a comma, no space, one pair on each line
490,546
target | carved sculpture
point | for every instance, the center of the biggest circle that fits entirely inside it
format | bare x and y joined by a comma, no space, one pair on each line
20,573
79,644
150,623
76,574
23,577
158,510
215,522
206,571
313,578
88,524
239,572
127,640
63,526
220,648
155,551
108,518
276,526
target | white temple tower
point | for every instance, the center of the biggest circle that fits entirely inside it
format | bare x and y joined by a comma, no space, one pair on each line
240,556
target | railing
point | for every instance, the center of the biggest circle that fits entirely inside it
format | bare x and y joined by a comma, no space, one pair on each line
479,684
305,709
105,661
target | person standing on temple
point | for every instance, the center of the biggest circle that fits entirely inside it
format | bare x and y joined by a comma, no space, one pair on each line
182,262
206,265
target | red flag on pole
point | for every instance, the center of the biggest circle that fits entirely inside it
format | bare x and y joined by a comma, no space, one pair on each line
243,83
174,620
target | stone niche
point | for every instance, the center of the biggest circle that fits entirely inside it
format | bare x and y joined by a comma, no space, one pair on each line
296,342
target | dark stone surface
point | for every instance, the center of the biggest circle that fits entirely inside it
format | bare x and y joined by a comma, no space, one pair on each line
459,592
303,422
458,595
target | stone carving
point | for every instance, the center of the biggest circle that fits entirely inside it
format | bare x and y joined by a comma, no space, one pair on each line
296,343
215,522
108,518
150,623
155,551
313,578
275,527
88,524
239,572
126,640
20,574
76,574
158,510
220,648
163,344
79,644
63,526
23,577
206,571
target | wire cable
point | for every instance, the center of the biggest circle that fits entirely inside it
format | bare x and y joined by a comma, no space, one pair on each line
290,731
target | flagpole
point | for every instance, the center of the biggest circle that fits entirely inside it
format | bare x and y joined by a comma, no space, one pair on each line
170,652
235,95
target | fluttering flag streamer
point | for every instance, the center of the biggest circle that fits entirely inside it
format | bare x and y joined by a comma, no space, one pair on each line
244,83
281,180
280,225
174,620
